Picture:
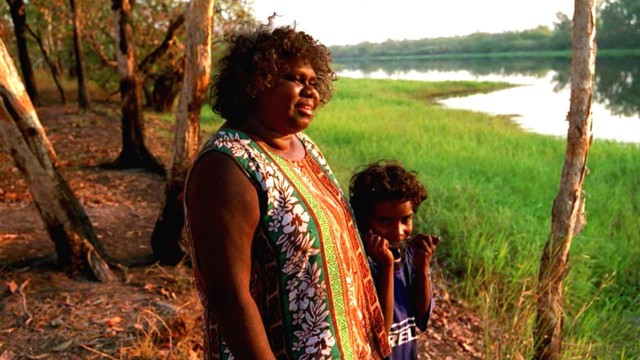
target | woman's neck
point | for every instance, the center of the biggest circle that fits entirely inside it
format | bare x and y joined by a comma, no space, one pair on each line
287,146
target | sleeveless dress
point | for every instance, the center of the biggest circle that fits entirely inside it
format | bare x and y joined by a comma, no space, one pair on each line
310,277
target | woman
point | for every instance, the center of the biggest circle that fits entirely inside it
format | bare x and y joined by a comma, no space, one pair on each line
279,264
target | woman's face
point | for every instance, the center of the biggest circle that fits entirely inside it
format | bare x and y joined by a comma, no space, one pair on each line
289,105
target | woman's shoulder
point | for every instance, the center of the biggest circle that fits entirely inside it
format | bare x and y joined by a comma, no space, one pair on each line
224,136
232,142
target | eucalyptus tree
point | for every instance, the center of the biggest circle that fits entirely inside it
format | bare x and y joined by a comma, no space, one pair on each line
18,10
157,37
134,153
568,216
166,234
206,25
77,246
50,27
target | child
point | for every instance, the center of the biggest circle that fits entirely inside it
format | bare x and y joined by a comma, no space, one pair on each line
384,197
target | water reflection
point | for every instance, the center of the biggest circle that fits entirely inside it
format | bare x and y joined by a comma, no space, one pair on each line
476,67
542,102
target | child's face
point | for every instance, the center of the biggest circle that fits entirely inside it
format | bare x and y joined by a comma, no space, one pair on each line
393,220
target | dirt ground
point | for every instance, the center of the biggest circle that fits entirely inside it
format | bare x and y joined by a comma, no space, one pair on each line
153,312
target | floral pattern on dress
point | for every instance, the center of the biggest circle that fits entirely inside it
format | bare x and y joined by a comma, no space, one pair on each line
289,220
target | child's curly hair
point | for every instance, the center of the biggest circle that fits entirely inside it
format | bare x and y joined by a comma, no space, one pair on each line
256,58
383,180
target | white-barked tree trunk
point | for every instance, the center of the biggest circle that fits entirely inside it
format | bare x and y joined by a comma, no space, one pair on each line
568,217
168,229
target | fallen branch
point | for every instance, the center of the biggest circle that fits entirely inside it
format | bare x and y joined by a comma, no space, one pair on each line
20,291
98,352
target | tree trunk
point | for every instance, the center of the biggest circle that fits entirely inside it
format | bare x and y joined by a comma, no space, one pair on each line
166,235
568,207
76,243
19,16
165,90
134,153
83,91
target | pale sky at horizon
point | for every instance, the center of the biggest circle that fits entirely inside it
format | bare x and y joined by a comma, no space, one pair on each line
348,22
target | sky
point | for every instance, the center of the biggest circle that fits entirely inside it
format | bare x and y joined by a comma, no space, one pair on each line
348,22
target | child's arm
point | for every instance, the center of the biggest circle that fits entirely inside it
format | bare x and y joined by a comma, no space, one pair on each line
425,247
377,248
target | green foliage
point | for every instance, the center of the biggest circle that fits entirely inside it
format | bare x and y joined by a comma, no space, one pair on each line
618,25
617,28
51,20
477,43
491,188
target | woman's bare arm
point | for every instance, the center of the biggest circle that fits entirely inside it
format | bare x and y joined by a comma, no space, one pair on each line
224,212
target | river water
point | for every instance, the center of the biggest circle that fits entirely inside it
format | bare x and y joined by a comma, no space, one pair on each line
539,104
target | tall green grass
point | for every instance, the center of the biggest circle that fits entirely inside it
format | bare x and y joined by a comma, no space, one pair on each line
491,188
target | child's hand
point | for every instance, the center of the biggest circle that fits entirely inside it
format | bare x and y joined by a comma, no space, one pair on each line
377,248
425,246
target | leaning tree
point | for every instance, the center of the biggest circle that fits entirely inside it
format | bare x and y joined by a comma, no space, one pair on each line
568,207
77,246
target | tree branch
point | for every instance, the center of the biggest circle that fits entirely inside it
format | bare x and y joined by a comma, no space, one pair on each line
106,60
52,67
169,40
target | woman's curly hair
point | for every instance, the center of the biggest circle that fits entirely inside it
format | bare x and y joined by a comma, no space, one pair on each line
383,180
256,58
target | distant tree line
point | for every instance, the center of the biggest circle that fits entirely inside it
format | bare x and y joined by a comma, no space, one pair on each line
618,27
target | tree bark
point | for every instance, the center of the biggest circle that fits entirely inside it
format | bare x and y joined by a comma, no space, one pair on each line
568,207
18,11
134,152
83,91
166,235
77,246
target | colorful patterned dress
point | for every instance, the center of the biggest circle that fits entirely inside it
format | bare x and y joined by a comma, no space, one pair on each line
309,275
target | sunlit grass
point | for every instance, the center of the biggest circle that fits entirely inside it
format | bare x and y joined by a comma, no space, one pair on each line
491,189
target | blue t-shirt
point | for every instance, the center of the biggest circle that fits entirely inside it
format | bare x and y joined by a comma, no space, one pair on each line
403,334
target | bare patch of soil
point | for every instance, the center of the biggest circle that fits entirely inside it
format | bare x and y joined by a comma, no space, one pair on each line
153,312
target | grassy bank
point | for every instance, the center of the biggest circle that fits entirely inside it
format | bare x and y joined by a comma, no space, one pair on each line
491,189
